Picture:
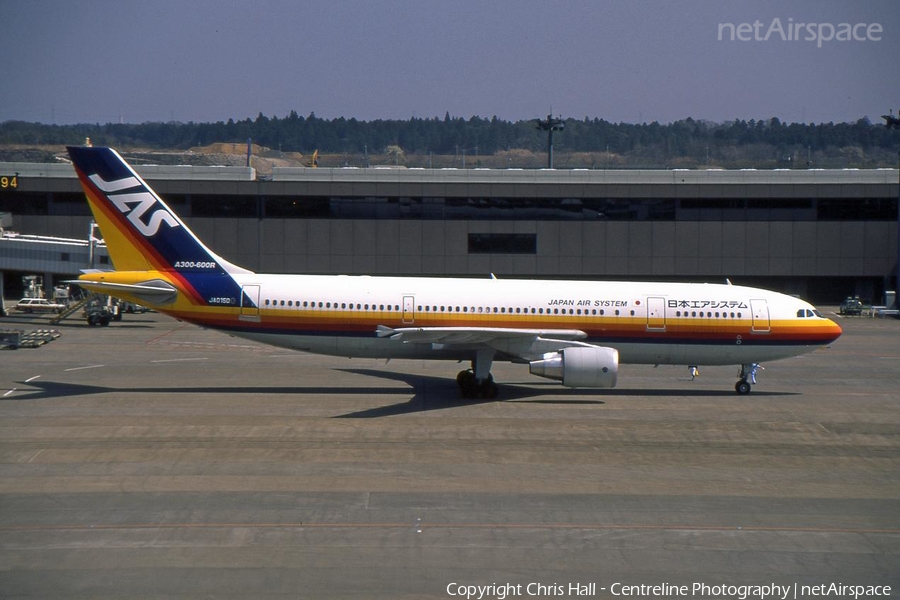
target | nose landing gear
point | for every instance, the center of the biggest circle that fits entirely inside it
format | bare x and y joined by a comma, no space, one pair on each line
748,371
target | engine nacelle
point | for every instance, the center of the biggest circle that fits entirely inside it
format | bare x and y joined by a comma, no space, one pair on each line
596,367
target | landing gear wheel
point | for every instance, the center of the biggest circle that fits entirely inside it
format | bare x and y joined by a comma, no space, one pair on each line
742,387
488,389
468,386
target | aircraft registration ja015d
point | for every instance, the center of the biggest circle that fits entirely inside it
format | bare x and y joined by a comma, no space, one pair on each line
575,332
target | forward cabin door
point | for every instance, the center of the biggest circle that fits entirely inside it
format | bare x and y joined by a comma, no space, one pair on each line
656,314
760,311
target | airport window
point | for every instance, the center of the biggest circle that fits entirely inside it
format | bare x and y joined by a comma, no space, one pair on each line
27,203
307,207
857,209
223,206
502,243
68,204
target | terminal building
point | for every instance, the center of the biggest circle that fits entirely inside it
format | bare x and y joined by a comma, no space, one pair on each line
821,234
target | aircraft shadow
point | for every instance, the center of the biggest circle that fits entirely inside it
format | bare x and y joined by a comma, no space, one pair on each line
428,393
438,393
42,389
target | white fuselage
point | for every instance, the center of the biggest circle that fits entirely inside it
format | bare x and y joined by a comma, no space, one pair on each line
653,323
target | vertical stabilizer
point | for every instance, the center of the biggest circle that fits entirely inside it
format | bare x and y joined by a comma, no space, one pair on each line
141,232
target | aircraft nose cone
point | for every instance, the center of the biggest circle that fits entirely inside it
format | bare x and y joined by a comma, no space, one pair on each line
834,330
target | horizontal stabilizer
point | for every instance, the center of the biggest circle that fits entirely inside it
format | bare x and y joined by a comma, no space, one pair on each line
155,291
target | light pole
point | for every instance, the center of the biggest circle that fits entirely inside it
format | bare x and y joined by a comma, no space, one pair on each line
550,125
892,122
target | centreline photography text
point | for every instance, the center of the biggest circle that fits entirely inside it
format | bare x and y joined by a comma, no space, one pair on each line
795,591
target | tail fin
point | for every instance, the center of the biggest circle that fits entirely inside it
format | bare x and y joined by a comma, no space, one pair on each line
141,232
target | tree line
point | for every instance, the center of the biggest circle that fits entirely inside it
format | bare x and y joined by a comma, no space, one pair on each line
481,136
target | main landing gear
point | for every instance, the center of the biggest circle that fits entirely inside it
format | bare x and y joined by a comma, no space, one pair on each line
469,387
742,387
478,382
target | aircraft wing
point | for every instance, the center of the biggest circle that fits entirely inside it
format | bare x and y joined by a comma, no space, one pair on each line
527,344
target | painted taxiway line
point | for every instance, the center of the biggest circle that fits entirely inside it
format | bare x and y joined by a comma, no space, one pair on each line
171,360
462,525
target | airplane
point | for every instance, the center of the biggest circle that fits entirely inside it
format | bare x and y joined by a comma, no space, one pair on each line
574,332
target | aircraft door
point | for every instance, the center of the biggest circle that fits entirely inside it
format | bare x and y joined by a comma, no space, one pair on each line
760,312
409,309
656,314
249,303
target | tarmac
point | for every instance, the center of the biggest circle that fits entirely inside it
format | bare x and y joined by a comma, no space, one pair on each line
154,459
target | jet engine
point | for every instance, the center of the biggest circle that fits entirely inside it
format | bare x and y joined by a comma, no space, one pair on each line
595,367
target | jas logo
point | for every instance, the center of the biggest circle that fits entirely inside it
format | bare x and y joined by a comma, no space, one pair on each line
135,205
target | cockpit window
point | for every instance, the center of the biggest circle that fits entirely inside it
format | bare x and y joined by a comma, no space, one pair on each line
818,314
801,313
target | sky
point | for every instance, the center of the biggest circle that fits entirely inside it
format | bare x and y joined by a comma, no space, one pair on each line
633,61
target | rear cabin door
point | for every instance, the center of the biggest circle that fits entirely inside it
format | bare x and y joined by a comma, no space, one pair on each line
760,312
409,310
250,303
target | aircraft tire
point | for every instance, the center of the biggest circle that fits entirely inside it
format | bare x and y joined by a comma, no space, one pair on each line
488,389
742,387
468,387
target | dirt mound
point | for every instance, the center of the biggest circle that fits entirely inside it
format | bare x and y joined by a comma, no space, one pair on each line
261,158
